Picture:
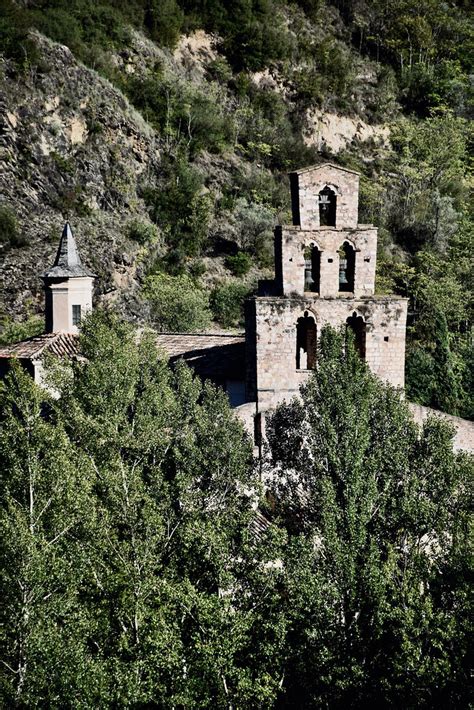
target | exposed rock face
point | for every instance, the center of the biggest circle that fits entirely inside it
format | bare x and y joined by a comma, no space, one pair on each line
329,131
71,145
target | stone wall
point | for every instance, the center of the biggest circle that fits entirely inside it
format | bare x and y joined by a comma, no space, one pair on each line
464,436
290,246
306,185
274,328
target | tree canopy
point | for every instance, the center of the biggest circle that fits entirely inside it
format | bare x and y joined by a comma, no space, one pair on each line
133,573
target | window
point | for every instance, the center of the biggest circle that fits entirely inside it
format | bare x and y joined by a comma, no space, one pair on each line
76,315
346,267
312,262
357,325
306,343
327,207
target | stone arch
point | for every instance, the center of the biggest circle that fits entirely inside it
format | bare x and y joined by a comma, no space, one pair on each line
312,267
306,338
327,201
359,327
347,254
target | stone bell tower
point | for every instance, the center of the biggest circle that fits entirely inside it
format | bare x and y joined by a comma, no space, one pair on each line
68,287
324,274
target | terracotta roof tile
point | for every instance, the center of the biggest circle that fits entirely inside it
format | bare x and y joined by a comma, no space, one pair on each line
212,355
59,344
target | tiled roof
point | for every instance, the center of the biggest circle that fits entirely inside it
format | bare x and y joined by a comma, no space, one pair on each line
259,524
212,355
59,344
310,168
68,262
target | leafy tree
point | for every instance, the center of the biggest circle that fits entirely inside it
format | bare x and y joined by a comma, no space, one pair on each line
376,565
126,512
227,303
176,304
182,210
44,520
239,264
163,20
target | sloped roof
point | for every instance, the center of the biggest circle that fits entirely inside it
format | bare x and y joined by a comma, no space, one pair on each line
59,344
211,355
68,262
311,168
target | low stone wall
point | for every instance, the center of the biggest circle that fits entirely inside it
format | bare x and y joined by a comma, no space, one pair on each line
463,440
464,437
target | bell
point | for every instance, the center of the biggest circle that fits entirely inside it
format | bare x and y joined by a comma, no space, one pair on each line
324,202
308,277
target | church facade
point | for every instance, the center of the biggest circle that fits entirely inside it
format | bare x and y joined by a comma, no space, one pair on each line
324,274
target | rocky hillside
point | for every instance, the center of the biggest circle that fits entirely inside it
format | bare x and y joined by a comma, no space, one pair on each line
73,146
164,132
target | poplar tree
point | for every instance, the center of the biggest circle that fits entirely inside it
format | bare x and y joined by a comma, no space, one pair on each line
377,560
44,517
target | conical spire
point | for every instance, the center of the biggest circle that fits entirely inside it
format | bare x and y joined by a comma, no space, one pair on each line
67,262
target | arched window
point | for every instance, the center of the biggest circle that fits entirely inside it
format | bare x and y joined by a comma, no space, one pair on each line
327,207
306,343
346,267
312,265
357,325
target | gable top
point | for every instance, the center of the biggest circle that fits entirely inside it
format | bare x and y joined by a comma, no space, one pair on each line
67,263
314,168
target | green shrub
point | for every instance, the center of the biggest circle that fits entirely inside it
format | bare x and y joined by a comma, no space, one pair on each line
142,232
239,264
255,224
180,208
15,331
163,20
227,303
10,235
176,304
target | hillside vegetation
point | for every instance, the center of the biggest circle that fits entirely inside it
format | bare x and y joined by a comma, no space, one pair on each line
164,130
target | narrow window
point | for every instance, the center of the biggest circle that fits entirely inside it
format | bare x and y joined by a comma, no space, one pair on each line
312,264
306,343
346,267
357,325
327,207
76,315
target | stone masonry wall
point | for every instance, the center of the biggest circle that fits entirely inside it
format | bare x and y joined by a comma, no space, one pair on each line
277,377
308,184
294,241
464,434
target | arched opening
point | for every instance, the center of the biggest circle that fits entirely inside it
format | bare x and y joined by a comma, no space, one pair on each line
327,207
357,325
346,267
306,343
312,266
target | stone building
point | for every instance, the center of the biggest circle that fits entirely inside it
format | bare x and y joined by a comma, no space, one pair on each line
68,286
324,274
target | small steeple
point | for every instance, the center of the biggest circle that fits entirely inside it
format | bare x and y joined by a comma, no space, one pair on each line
67,262
68,287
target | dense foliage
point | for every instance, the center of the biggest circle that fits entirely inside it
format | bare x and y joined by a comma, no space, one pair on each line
375,567
226,141
133,574
128,573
